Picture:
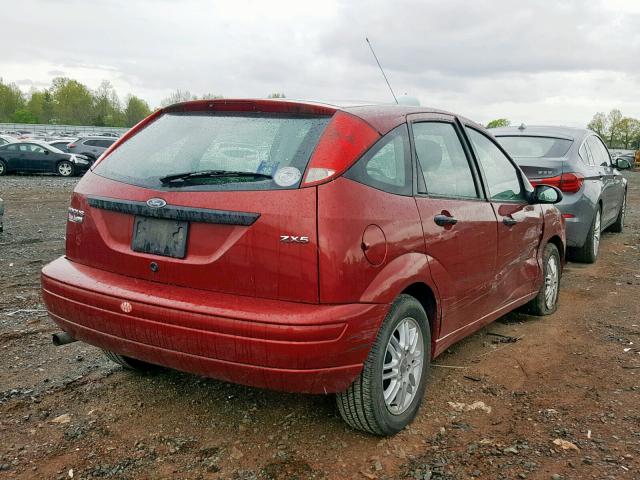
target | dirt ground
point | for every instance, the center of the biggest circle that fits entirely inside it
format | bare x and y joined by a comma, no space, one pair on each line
573,377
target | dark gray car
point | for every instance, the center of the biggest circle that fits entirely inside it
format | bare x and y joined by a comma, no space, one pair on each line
578,163
91,147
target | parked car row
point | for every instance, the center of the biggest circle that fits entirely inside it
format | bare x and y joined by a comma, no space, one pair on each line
65,158
315,248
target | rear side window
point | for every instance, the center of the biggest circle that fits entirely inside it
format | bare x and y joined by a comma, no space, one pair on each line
599,152
387,165
585,155
442,160
535,147
176,143
91,143
501,175
105,143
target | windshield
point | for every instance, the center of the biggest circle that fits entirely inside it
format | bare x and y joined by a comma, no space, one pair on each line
54,149
276,148
535,147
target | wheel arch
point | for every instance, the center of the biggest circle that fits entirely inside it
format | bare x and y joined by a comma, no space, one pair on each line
427,298
557,241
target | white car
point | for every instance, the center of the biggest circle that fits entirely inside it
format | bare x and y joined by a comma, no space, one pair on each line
4,139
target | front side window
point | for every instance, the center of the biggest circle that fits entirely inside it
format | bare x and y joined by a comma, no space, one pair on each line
503,180
443,161
387,165
271,151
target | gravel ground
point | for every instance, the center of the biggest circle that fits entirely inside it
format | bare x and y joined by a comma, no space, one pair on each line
561,402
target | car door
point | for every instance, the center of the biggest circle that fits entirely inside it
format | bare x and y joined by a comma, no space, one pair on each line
91,148
36,159
459,225
519,223
11,155
612,183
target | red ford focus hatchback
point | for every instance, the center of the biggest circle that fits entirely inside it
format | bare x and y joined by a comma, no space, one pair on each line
303,247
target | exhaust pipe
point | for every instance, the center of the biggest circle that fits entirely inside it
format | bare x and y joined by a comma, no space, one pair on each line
62,338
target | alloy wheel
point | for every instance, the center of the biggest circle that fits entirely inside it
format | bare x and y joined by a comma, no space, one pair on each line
64,169
596,234
551,282
402,369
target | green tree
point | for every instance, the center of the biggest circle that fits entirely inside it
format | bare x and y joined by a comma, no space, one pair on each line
599,124
136,110
629,132
211,96
613,119
11,100
72,102
23,116
40,105
500,122
106,107
277,95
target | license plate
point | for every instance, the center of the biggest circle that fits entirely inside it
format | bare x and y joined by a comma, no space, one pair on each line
160,237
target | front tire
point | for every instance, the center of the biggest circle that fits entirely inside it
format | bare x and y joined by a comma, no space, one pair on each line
546,302
618,226
588,253
387,394
65,169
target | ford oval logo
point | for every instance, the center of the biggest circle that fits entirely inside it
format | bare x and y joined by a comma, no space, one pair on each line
156,202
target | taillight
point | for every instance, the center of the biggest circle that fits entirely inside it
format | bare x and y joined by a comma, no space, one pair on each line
72,145
567,182
344,140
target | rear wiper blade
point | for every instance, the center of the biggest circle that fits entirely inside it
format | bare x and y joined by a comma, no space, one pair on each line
180,177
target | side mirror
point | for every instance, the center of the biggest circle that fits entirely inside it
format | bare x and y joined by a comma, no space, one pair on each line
623,163
546,194
46,152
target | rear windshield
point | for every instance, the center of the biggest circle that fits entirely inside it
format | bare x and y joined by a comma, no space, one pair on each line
535,147
178,143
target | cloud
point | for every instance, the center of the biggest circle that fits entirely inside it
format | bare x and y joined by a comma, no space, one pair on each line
539,62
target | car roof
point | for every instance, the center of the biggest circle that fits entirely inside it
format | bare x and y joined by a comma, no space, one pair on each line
381,116
568,133
96,137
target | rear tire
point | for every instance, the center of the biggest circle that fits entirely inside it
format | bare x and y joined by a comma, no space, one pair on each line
3,168
405,357
618,226
131,363
546,302
588,253
65,169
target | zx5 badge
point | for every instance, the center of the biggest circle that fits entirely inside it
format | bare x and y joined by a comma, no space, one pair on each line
293,239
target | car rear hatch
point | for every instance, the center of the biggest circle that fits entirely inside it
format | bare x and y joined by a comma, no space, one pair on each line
240,225
542,159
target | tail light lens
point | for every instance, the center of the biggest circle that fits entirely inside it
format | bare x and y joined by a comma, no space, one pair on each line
344,140
567,182
72,145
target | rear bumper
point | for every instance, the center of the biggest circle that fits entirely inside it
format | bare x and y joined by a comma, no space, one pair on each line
273,344
581,212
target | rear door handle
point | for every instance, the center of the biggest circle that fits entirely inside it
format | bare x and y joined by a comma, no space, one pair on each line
509,221
444,220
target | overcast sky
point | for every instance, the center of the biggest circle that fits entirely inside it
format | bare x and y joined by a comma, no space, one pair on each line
551,62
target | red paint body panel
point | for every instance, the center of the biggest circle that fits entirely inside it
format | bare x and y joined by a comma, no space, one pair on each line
345,210
169,325
462,258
